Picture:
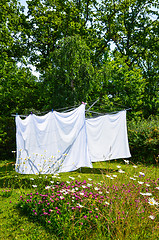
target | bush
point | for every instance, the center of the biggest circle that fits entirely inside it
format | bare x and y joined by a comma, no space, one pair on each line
7,137
144,139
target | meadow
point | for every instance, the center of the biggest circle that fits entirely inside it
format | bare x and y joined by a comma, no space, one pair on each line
113,200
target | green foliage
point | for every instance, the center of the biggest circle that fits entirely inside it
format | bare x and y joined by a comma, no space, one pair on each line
144,139
11,18
18,91
122,85
50,21
7,137
133,28
70,77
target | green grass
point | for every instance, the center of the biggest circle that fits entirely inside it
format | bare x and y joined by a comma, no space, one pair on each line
126,216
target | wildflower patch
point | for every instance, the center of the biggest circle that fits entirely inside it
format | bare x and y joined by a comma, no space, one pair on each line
87,207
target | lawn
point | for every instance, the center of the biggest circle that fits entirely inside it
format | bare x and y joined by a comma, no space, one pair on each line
114,200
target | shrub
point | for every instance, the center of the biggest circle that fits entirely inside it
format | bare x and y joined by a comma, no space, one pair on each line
7,137
144,139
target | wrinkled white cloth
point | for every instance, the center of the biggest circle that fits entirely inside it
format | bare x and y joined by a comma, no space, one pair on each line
107,137
63,142
53,143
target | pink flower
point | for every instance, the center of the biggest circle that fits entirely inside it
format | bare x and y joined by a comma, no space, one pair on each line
96,216
85,216
49,221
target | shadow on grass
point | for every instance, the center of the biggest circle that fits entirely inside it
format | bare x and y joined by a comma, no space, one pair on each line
7,167
96,170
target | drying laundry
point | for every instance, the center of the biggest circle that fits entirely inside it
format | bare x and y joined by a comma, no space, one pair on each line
63,142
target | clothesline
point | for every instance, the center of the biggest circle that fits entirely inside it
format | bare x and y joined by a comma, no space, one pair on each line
14,115
67,109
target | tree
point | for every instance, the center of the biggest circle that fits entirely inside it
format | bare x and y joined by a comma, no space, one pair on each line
11,18
17,85
124,87
133,28
18,92
130,25
49,21
70,77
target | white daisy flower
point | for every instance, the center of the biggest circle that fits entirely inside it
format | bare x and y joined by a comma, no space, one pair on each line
140,182
132,178
61,197
146,194
81,193
89,185
118,166
72,178
80,205
126,161
152,201
152,217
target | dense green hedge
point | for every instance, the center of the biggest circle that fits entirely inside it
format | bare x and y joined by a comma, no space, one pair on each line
144,139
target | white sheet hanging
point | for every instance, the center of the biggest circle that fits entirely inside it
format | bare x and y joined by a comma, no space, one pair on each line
52,143
107,137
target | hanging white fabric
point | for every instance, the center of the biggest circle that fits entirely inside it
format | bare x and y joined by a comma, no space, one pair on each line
63,142
53,143
107,137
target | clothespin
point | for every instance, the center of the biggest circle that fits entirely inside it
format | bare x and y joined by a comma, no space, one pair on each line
84,103
52,110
